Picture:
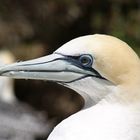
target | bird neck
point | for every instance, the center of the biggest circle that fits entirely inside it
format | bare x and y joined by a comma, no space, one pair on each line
130,88
93,90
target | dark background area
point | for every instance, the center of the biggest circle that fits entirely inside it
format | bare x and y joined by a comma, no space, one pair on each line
33,28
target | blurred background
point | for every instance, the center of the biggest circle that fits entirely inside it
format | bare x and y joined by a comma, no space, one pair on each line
30,29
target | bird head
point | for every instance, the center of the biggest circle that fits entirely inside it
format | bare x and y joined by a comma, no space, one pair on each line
92,65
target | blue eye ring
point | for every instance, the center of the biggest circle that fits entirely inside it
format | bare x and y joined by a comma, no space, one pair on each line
86,60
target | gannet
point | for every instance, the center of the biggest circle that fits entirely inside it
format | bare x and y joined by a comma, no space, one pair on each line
105,71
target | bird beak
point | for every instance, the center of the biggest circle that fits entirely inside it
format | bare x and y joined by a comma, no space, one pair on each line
54,67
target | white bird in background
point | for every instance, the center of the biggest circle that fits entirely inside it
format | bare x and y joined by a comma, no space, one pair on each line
17,120
6,84
105,71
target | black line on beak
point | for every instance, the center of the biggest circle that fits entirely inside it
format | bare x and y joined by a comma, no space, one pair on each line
71,59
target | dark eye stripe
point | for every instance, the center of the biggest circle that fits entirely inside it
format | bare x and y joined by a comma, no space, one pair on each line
84,60
75,61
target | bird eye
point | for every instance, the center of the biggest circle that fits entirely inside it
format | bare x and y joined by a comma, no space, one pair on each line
86,60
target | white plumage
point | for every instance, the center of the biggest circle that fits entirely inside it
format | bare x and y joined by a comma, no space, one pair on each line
105,71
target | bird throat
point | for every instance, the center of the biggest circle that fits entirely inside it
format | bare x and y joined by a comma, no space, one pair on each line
92,89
